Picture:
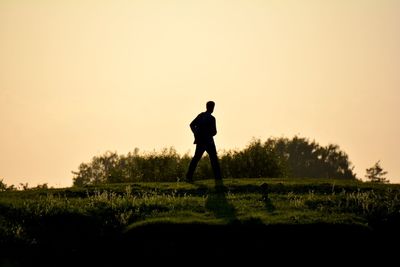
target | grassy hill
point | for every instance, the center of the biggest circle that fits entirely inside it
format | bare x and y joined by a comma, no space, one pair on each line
236,216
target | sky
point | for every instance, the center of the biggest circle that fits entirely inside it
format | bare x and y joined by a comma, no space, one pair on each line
79,78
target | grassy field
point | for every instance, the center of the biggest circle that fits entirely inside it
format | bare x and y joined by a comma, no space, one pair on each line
233,216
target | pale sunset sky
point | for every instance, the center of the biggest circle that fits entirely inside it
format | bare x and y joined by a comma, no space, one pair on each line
81,77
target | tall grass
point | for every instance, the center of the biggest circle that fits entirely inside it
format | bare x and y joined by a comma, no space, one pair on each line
44,216
104,210
382,206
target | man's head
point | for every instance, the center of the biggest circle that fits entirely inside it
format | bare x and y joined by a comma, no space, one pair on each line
210,106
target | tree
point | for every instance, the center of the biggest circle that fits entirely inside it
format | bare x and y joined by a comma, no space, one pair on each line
305,158
277,157
3,186
24,186
376,174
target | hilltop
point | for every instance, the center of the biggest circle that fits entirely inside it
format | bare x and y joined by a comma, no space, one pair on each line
171,219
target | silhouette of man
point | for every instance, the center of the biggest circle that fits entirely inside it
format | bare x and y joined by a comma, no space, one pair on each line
204,129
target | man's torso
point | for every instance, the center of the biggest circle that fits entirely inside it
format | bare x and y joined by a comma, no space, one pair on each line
205,128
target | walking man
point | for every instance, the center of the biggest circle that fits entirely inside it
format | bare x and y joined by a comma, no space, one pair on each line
204,129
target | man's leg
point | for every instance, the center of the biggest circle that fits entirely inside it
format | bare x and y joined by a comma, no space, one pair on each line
193,163
212,153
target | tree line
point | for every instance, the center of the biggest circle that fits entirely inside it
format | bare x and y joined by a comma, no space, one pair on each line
297,157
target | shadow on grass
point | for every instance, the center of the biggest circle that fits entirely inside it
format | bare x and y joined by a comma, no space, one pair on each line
270,207
218,204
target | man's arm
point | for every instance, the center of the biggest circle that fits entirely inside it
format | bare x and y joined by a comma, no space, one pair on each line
194,124
214,127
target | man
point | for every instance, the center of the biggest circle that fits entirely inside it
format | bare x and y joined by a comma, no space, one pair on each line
204,128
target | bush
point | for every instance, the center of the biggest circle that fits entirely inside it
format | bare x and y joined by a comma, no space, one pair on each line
277,157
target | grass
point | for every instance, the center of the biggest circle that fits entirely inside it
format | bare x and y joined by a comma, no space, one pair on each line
75,218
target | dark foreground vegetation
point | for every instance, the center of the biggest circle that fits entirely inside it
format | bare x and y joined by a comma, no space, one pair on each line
246,219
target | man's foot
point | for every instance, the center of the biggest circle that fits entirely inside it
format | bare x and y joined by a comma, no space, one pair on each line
189,180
